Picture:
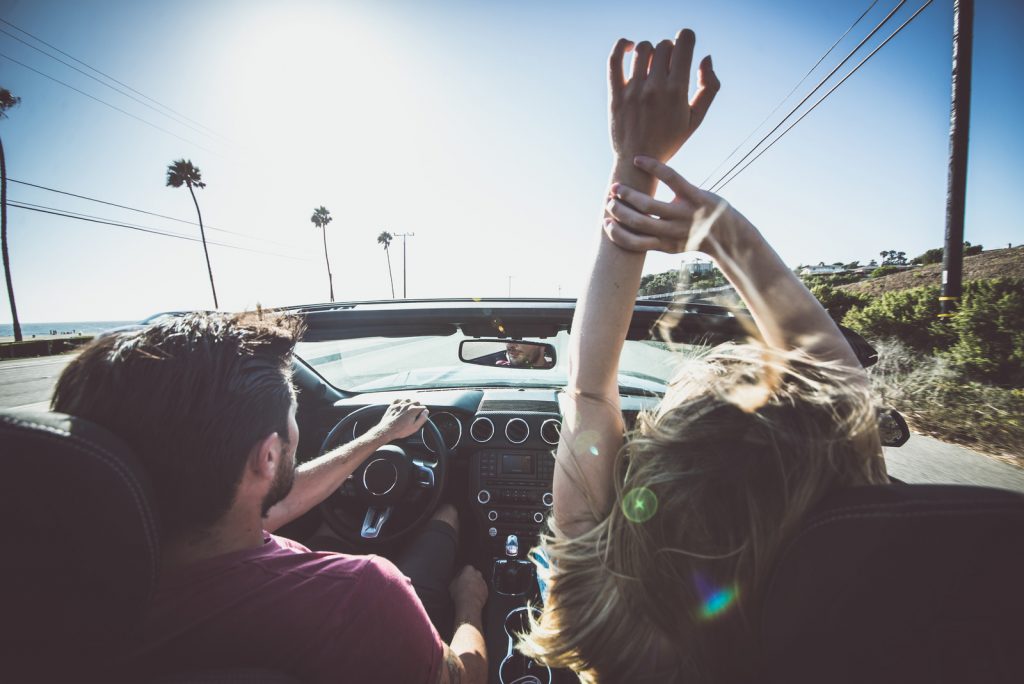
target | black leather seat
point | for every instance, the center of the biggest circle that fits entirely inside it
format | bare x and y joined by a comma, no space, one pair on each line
901,583
82,552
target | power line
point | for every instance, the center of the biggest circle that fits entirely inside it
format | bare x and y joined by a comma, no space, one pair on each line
148,213
813,90
143,229
108,76
104,83
790,93
831,90
104,102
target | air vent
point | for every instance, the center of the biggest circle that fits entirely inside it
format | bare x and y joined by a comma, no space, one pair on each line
482,429
516,430
516,405
550,431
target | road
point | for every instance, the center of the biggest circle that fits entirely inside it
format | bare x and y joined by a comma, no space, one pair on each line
28,384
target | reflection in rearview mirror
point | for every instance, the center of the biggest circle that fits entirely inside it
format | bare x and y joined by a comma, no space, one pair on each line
508,353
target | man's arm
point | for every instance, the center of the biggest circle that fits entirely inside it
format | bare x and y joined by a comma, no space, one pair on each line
650,115
315,480
465,661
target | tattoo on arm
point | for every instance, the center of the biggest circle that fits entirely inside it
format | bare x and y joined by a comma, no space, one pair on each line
451,670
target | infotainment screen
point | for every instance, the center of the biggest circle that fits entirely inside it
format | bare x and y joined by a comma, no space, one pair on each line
517,464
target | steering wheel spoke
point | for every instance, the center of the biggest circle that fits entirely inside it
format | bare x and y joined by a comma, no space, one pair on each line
424,476
373,521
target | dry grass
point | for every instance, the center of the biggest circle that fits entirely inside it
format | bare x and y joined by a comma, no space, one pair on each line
937,402
993,263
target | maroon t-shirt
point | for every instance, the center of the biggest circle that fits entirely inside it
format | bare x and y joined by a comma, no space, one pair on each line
323,617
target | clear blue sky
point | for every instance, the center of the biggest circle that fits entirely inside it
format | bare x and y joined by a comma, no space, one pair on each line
480,126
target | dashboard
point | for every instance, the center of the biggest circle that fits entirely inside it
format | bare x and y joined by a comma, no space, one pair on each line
502,444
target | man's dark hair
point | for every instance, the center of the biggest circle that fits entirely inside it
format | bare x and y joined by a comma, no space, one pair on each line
191,395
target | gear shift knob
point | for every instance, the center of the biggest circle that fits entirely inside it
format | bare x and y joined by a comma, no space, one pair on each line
512,546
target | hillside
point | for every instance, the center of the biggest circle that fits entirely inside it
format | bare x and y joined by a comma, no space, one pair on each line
994,263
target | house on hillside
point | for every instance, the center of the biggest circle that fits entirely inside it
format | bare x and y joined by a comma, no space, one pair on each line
698,267
821,269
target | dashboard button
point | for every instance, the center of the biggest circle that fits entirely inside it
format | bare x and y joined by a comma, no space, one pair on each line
538,517
492,515
483,496
548,499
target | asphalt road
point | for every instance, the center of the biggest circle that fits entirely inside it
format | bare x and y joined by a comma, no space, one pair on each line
28,383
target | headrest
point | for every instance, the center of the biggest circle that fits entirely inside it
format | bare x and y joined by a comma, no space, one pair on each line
900,583
81,556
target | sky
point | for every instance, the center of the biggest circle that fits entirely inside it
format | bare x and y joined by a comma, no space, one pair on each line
480,127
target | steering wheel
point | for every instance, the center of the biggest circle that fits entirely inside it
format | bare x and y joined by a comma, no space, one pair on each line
396,484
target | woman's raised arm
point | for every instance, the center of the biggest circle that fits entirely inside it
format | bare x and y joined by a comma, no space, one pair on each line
649,114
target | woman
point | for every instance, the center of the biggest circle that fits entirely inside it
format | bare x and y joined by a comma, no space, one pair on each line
661,543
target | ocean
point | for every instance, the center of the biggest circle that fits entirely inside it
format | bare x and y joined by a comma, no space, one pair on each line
61,328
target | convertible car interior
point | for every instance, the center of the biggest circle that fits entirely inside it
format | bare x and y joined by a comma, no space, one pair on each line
898,583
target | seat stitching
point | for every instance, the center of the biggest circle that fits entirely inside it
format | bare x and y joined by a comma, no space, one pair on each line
83,446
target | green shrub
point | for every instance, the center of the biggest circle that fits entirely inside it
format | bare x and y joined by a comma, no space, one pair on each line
659,283
910,316
989,328
931,256
983,340
831,279
883,271
837,302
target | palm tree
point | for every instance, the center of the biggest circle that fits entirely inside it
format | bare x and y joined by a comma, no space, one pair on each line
182,172
321,217
385,239
6,102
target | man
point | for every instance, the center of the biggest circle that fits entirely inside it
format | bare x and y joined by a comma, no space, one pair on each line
523,355
206,402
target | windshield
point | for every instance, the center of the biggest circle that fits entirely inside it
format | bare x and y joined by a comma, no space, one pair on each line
385,363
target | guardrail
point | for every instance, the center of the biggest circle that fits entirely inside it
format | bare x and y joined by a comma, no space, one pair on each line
682,293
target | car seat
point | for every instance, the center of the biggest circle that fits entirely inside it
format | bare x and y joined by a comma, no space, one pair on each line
900,583
82,556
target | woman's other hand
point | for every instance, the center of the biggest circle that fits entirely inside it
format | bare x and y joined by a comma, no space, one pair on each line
637,222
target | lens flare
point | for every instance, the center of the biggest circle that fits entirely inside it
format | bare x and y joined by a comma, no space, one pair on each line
639,505
586,443
716,600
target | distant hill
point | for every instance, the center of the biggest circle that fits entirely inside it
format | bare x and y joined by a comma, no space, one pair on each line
993,263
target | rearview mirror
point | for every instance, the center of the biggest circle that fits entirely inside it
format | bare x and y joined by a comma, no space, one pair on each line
507,353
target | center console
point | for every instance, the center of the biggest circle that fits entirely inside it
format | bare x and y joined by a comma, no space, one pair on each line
510,475
513,493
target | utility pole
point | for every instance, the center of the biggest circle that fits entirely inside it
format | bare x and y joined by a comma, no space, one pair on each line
956,187
404,281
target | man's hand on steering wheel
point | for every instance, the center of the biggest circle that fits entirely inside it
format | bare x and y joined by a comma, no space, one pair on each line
402,419
406,480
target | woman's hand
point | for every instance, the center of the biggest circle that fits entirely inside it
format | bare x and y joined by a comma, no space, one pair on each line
639,223
650,114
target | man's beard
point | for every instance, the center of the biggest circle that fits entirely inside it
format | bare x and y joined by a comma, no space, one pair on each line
284,478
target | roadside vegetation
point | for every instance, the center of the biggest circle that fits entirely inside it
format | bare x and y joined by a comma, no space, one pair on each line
959,379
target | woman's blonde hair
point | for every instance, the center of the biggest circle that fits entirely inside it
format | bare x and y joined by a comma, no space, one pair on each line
708,487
